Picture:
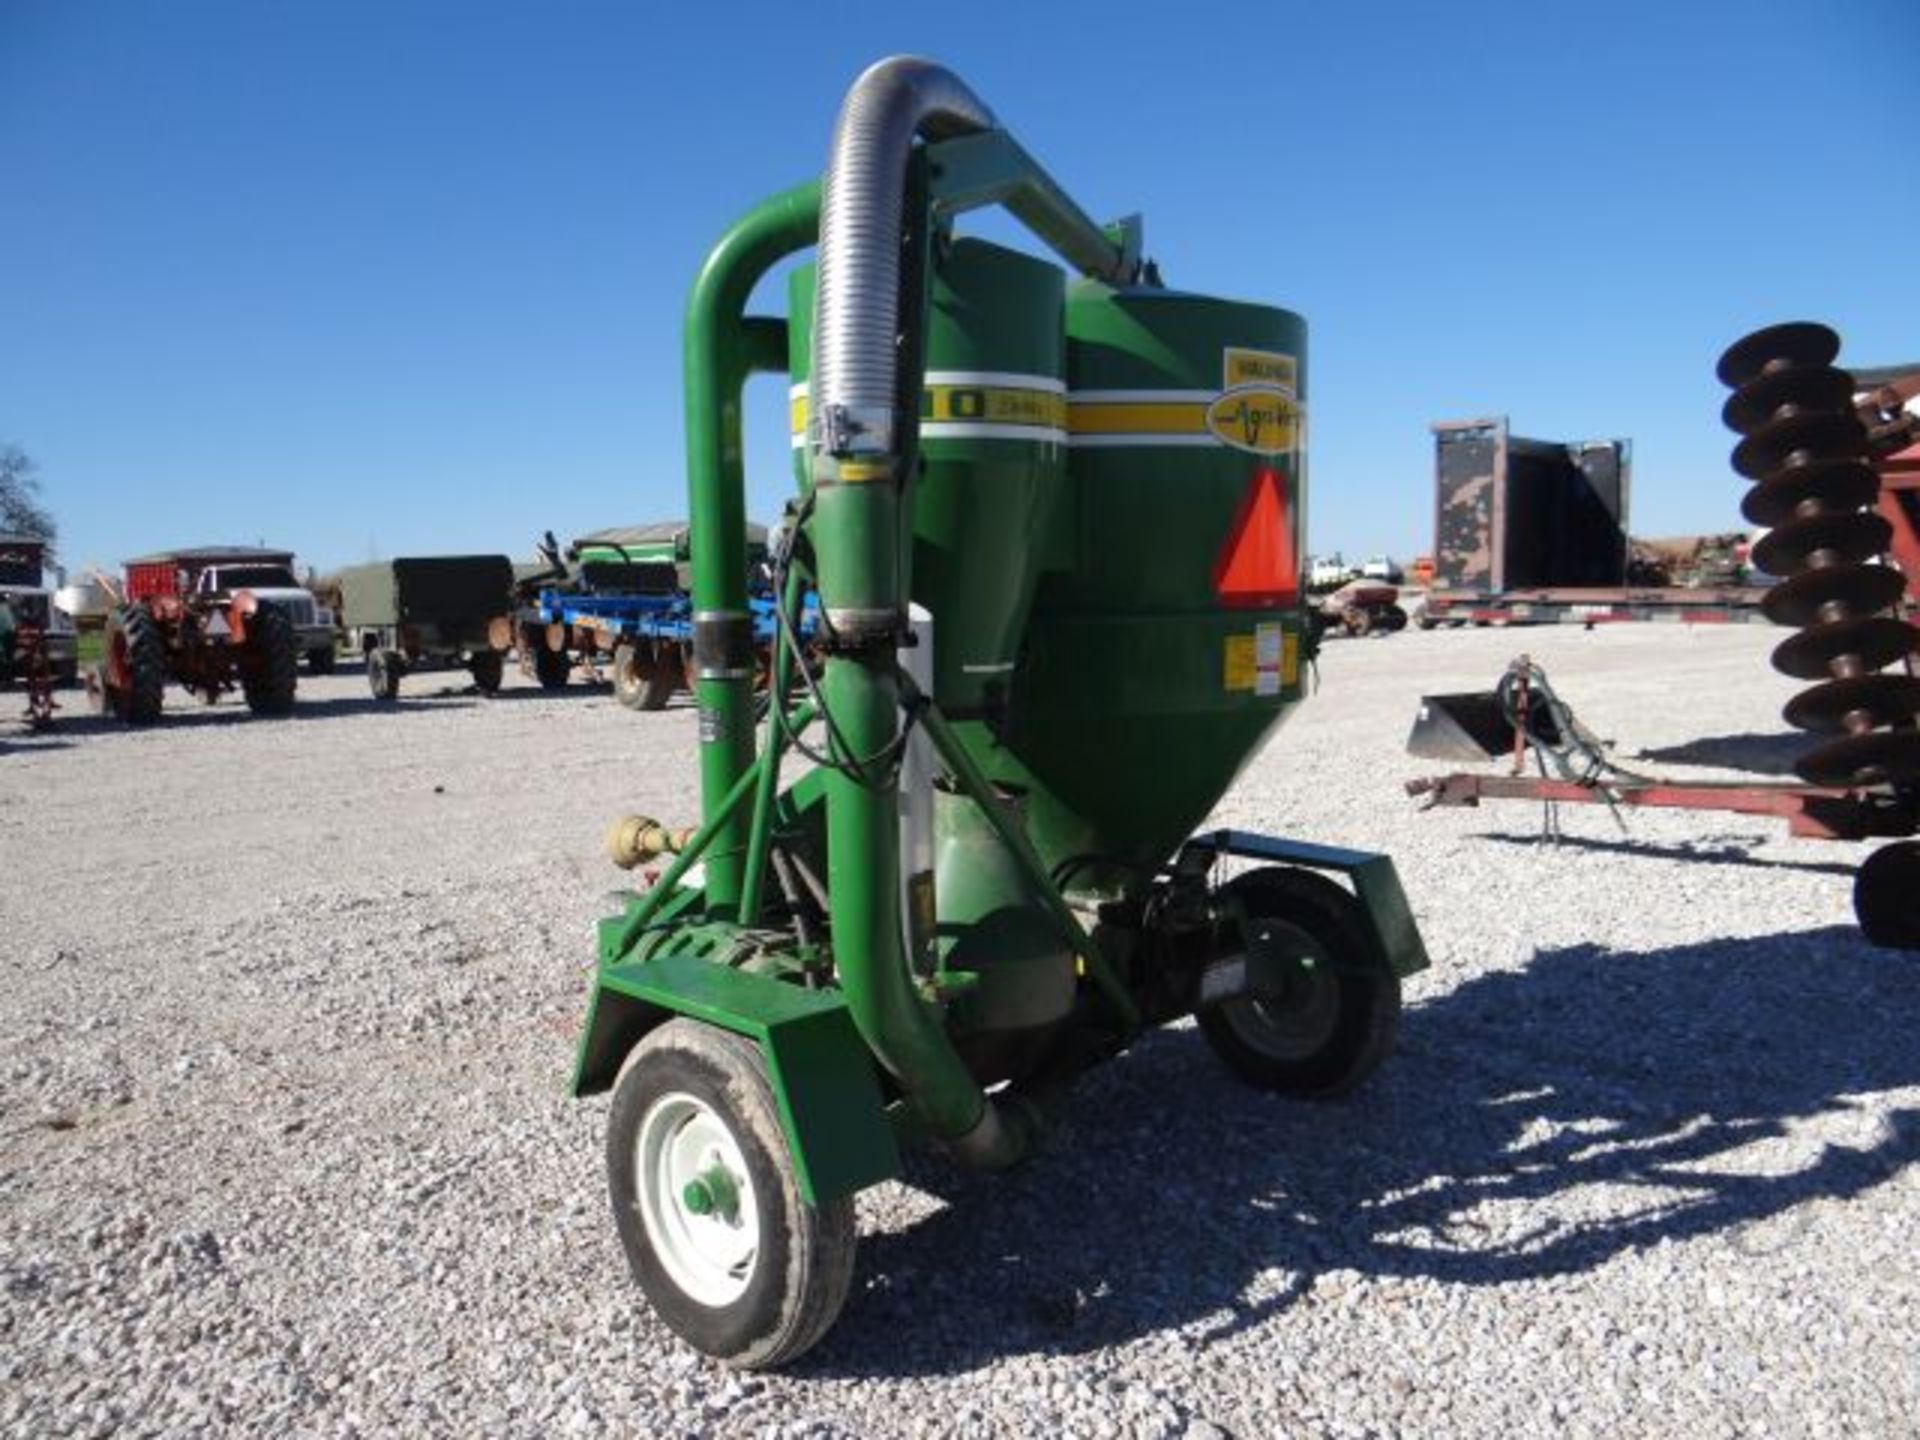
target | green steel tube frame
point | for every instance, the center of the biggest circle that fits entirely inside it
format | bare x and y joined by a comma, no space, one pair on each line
722,347
759,840
718,819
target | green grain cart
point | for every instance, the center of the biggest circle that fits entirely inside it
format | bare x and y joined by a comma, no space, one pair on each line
1054,527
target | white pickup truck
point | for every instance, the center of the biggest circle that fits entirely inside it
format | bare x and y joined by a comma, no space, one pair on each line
273,579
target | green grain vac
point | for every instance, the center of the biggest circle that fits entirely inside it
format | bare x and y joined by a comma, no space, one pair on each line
1051,515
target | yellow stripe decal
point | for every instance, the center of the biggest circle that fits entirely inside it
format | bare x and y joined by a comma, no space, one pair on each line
1136,418
998,410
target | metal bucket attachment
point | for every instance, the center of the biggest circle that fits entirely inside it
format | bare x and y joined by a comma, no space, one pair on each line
1471,727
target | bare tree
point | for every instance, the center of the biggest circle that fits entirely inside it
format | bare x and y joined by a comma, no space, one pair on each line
21,512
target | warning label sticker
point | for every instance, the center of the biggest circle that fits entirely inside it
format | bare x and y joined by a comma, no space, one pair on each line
1265,662
1240,666
1267,647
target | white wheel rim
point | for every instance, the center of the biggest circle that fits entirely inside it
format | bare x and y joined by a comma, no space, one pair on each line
685,1144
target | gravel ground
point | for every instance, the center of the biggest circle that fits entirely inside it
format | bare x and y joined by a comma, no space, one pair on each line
284,1145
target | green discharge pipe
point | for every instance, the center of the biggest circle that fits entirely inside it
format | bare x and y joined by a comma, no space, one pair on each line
863,867
973,780
722,347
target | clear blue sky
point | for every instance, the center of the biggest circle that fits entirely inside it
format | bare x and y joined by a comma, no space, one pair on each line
374,278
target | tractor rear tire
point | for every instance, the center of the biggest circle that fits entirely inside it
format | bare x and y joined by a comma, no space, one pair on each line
321,661
486,667
708,1204
1338,1018
551,668
271,674
134,671
384,669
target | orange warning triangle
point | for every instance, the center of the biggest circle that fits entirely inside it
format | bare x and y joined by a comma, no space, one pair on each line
1257,565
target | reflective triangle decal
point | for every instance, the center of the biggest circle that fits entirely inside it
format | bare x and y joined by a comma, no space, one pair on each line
1257,565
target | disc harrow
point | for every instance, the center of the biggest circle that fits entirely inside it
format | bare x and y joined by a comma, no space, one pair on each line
1810,458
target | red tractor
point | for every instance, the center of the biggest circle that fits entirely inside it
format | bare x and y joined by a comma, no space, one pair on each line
192,616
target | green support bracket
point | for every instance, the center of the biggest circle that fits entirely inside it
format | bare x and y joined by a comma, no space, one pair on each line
991,168
1375,883
820,1070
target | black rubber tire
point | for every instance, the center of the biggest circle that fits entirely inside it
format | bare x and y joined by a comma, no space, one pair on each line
1364,998
384,669
138,701
638,686
270,671
803,1267
487,667
1394,618
1886,896
552,668
321,661
628,681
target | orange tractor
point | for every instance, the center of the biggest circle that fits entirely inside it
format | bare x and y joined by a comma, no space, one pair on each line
193,617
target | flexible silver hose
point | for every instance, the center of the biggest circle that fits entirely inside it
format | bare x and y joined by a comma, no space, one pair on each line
856,317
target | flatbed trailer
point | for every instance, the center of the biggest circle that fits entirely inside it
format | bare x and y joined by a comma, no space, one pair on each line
1591,606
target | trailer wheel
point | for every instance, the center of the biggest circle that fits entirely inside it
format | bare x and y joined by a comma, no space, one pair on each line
133,672
384,669
269,675
708,1205
640,684
487,667
1886,896
1337,1018
551,667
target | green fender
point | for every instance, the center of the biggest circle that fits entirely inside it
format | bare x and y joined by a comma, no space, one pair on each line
820,1070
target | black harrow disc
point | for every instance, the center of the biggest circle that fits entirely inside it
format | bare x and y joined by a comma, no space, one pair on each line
1823,435
1851,537
1886,896
1861,703
1798,342
1815,388
1850,592
1892,757
1870,644
1825,486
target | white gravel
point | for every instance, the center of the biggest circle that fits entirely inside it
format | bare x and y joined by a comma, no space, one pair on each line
287,1010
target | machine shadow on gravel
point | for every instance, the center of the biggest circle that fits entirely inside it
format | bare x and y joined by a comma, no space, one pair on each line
1735,849
1535,1123
189,713
1757,754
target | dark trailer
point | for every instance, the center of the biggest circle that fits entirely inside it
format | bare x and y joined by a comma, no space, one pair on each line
1535,531
404,612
